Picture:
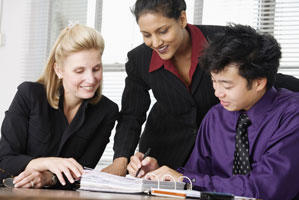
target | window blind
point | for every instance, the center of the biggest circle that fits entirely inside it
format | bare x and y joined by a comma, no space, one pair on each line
64,12
277,17
34,44
45,19
281,18
113,85
198,9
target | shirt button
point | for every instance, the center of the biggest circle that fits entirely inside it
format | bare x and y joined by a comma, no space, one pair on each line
193,180
194,131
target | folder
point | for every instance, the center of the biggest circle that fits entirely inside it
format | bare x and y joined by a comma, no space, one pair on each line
95,180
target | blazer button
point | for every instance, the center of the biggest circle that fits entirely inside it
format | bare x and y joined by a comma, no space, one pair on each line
193,180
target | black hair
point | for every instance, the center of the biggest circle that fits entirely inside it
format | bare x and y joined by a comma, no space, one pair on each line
257,55
168,8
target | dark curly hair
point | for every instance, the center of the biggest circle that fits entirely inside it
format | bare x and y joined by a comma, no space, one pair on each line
168,8
256,54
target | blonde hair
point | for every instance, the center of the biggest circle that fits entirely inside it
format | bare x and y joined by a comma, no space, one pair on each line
71,40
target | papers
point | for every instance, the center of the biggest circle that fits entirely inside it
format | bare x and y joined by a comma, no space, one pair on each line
94,180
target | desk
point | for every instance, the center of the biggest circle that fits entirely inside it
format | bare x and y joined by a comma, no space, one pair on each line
45,194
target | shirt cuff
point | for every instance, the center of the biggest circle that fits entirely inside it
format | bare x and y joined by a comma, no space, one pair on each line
199,181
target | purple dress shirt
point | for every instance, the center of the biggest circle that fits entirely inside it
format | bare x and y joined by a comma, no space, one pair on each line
273,147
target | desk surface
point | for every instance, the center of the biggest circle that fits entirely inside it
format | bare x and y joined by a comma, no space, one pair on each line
44,194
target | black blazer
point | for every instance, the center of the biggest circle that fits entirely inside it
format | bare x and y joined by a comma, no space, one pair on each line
32,129
172,123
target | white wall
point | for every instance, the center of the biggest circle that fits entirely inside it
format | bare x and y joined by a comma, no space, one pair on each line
13,25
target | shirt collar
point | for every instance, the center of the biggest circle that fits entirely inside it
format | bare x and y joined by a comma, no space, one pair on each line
260,109
198,43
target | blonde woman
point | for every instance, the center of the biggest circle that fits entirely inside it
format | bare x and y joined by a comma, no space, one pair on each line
62,122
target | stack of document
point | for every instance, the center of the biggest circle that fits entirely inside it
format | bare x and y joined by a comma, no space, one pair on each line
94,180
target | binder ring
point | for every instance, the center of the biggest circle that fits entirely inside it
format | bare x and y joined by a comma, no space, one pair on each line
173,179
189,186
152,174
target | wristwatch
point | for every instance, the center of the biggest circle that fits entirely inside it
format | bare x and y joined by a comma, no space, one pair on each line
53,179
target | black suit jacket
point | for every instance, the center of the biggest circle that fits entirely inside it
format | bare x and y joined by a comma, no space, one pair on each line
172,123
32,129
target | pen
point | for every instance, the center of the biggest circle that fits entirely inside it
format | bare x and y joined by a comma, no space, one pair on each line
146,154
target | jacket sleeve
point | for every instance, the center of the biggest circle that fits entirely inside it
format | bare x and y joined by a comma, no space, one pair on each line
13,144
98,143
273,177
135,103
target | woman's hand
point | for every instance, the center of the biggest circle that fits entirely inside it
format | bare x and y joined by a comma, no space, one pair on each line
59,166
145,165
118,167
31,178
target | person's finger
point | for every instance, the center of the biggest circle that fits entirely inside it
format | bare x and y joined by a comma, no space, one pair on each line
67,173
149,164
36,180
59,176
139,155
147,161
141,173
21,176
74,171
71,169
131,170
25,181
27,185
75,176
37,183
78,167
135,163
151,176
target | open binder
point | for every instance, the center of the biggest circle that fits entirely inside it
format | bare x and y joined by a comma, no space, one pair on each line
95,180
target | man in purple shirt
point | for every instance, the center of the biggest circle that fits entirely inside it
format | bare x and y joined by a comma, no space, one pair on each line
243,65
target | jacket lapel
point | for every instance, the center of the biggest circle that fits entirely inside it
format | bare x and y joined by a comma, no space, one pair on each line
176,83
76,123
196,79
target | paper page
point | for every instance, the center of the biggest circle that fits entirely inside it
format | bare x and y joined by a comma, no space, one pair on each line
99,181
95,180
